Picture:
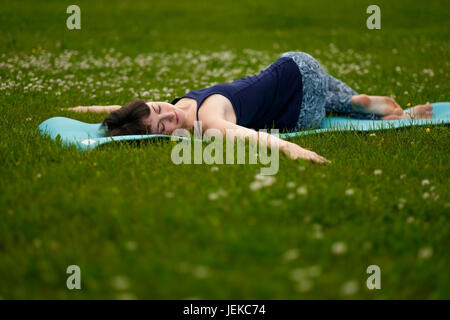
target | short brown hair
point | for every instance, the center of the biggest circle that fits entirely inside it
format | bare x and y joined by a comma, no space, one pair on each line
127,120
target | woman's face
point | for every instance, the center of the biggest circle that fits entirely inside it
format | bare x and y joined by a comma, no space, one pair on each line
164,117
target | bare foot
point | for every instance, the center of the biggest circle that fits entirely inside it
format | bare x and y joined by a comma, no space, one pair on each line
374,104
423,111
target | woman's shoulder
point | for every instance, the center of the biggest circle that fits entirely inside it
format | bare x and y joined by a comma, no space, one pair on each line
217,106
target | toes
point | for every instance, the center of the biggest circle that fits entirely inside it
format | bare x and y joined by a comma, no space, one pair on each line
396,107
398,111
425,111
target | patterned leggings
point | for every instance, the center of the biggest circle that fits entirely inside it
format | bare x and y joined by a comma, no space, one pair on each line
321,93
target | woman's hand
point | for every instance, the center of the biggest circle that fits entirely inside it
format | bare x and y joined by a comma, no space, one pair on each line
95,109
76,109
294,152
232,130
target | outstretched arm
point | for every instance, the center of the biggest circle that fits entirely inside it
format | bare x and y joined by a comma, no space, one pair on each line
292,150
96,109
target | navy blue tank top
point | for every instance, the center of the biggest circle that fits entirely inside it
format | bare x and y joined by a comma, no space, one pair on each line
270,99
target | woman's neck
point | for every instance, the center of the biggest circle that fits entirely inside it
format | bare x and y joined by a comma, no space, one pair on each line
189,106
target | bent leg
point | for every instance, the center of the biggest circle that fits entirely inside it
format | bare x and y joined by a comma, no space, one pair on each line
315,88
322,93
338,100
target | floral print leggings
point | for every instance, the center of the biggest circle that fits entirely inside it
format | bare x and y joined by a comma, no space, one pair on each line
321,93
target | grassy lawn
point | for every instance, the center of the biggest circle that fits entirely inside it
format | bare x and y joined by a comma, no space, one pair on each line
142,227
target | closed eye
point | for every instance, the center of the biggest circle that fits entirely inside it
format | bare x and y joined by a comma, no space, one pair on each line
162,127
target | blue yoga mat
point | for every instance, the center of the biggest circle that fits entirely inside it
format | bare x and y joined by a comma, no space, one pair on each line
86,136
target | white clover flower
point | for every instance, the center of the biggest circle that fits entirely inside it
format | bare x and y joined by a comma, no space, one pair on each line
426,195
290,196
304,277
377,172
291,254
318,234
349,192
403,176
260,177
298,274
200,272
425,253
302,190
339,248
255,185
131,245
401,203
120,283
290,184
314,271
349,288
304,285
126,296
264,181
169,194
213,196
428,72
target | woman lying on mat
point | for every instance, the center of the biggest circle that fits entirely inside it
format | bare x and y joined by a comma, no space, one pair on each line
292,93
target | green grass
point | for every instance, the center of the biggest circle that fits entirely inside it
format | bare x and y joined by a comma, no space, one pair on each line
141,227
